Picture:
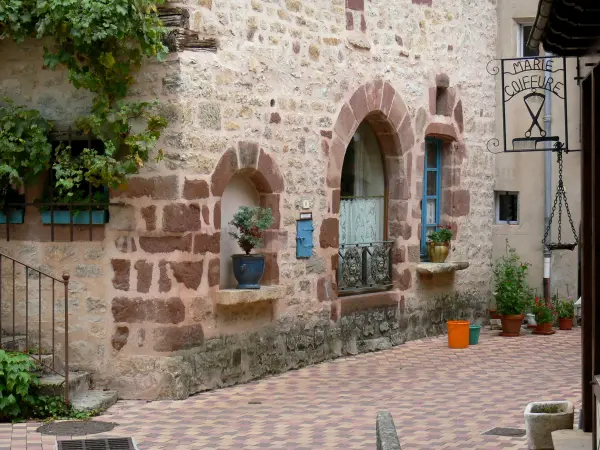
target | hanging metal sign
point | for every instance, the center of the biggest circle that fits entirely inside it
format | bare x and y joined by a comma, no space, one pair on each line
529,87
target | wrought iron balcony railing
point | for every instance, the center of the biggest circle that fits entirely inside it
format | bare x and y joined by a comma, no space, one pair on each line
365,267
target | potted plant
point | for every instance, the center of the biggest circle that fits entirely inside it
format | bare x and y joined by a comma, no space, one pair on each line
251,223
544,317
439,244
511,292
542,418
25,153
565,309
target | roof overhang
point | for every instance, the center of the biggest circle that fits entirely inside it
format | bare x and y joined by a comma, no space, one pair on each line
567,27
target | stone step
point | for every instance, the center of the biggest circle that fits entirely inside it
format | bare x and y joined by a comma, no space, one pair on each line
94,400
13,344
55,384
571,440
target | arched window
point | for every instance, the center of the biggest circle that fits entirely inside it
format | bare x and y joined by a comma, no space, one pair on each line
432,180
364,251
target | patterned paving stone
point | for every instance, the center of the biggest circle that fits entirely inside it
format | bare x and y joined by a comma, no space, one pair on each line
439,398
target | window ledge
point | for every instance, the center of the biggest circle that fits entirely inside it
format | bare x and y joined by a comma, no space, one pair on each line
229,297
436,268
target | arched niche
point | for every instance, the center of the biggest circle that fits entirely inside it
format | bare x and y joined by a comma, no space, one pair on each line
239,192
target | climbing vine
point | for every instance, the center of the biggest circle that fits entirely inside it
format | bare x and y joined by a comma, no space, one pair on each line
102,44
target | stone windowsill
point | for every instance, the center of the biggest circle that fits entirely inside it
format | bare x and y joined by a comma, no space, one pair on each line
228,297
437,268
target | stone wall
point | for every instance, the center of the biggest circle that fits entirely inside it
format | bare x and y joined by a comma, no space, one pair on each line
277,102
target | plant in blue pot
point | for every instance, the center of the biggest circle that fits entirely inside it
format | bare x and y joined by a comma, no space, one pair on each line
251,223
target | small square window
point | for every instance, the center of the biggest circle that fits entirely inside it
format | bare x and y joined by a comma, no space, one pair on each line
507,207
523,51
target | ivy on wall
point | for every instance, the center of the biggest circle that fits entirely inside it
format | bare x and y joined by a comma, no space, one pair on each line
102,44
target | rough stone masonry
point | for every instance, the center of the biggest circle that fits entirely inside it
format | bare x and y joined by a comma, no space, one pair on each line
277,103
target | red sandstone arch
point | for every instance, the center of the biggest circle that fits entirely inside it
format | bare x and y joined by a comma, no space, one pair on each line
383,109
262,170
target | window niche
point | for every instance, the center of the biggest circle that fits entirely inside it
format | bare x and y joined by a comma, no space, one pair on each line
67,197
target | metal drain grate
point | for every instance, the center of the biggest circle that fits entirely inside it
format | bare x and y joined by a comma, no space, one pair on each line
499,431
98,444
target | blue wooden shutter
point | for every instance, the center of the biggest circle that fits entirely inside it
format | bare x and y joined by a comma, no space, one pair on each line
432,180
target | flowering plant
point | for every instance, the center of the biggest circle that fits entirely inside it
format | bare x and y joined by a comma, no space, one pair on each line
441,236
543,313
565,308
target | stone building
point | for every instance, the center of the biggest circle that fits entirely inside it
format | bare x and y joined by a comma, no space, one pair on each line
344,110
525,179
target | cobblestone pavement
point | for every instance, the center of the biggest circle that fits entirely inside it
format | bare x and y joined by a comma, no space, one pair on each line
439,398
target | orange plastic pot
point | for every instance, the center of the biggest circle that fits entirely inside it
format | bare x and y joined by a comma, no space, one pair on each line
458,333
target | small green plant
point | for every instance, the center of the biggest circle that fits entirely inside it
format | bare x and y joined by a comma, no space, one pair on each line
512,293
441,236
251,222
543,313
17,385
565,309
546,409
19,392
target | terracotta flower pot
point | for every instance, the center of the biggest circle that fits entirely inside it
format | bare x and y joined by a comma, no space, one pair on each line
565,324
494,314
511,325
544,328
438,252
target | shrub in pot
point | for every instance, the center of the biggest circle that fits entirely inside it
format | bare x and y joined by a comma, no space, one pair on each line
511,292
251,223
544,316
439,244
565,309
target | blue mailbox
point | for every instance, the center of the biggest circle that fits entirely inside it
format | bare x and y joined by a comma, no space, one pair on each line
304,238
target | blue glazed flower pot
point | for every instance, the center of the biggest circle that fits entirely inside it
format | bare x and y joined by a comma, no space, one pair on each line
248,270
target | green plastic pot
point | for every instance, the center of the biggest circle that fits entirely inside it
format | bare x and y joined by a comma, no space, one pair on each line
474,334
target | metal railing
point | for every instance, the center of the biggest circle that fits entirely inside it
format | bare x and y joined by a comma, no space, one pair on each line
48,358
365,266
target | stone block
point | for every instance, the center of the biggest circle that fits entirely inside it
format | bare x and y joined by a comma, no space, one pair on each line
387,438
195,189
209,116
207,243
214,272
181,217
138,310
188,272
149,216
329,234
122,217
166,244
229,297
157,188
248,154
119,338
121,269
164,282
125,244
226,168
169,339
144,275
268,178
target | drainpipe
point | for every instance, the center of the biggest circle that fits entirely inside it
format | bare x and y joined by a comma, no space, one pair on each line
547,183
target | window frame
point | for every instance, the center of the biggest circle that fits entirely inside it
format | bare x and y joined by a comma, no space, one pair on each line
521,39
497,195
437,197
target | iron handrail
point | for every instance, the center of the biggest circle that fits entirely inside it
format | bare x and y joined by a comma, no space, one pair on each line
65,282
